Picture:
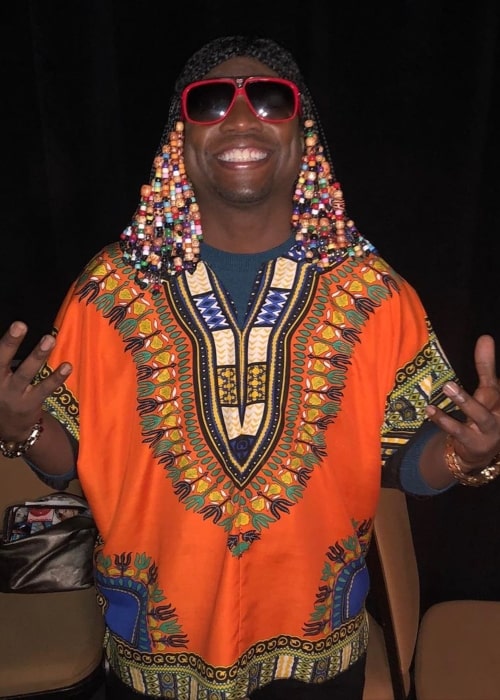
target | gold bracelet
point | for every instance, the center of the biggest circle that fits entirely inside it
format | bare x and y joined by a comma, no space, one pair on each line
17,449
478,478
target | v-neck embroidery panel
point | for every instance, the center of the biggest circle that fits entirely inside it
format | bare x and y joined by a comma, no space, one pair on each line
239,273
242,372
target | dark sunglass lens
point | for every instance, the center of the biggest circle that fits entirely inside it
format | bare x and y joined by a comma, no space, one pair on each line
206,103
271,100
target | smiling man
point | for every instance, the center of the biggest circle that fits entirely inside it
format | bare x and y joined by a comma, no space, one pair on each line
232,381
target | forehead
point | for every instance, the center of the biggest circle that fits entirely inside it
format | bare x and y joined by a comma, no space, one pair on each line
240,66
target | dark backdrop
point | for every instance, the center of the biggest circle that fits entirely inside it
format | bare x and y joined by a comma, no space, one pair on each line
409,95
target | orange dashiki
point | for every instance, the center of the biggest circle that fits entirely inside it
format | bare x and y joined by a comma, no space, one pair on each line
234,473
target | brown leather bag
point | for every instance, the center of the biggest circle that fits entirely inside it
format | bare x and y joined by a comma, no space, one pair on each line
58,557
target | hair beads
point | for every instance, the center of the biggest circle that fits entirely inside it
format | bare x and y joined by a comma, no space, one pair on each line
164,236
165,233
319,219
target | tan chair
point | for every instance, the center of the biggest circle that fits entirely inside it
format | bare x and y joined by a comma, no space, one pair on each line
50,643
451,653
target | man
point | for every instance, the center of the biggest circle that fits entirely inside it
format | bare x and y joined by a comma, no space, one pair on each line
233,380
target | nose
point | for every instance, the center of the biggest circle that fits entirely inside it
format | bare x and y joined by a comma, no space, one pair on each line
241,116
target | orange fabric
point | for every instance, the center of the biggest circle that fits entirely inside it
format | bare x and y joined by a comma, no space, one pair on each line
225,578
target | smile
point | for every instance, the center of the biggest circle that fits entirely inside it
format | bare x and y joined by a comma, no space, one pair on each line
242,155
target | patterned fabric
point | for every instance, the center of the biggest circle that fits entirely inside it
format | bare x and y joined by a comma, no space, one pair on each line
234,495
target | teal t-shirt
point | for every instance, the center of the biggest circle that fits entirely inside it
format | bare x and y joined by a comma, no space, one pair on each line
237,271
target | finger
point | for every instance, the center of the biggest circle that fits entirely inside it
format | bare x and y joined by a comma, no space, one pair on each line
29,367
52,382
32,395
475,449
10,343
474,410
484,357
463,432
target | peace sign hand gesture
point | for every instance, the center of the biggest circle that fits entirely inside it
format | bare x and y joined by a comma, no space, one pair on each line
475,444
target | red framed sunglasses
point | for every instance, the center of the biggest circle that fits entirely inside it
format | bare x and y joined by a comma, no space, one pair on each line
270,99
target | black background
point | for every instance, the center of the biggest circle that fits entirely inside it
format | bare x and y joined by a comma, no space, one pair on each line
409,97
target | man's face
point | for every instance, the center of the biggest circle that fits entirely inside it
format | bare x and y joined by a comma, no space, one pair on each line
242,159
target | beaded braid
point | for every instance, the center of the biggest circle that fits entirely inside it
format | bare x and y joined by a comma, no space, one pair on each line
165,233
164,236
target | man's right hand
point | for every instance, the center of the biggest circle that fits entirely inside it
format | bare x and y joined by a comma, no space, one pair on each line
21,402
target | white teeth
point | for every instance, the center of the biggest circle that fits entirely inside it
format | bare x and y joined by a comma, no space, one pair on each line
242,155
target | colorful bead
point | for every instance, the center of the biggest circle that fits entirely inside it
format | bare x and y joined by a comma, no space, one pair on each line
165,234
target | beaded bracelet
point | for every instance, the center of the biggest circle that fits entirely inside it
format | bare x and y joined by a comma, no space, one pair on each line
478,478
17,449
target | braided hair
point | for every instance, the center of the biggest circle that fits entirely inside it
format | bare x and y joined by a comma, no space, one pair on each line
164,236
